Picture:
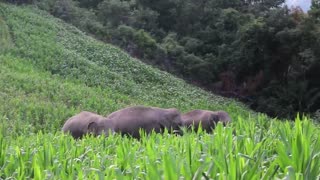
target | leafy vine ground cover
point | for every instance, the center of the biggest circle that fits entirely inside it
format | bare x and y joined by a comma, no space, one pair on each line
50,71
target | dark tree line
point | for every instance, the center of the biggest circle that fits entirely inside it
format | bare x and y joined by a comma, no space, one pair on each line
258,51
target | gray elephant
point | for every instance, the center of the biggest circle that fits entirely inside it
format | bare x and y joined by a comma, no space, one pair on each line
87,123
129,121
208,119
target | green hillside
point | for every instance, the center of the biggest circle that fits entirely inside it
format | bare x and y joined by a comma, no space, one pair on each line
56,71
50,71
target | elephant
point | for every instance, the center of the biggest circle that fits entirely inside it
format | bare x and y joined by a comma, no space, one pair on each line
129,121
87,123
208,119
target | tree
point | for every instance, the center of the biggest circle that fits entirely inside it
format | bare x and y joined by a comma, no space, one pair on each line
114,12
89,3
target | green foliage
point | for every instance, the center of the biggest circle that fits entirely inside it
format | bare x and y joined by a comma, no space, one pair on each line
146,19
297,96
19,1
89,3
114,12
259,150
62,72
5,37
110,78
138,42
69,11
64,9
144,41
200,40
315,10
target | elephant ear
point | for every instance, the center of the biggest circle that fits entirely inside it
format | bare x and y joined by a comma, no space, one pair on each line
93,127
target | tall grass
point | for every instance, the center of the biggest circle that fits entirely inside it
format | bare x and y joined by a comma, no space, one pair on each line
53,71
221,155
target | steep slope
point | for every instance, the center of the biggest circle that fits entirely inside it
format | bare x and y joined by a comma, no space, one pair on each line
45,45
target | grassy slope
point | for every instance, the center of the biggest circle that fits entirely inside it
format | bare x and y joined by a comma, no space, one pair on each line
50,71
51,58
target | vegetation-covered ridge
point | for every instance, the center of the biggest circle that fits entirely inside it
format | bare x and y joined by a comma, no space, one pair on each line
52,71
59,65
256,51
